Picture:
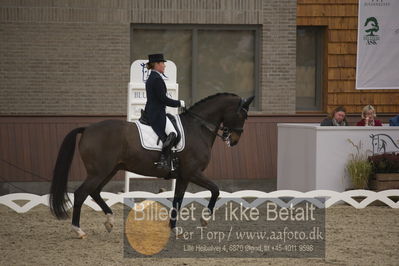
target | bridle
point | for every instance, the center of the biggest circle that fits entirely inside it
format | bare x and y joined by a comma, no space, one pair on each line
226,131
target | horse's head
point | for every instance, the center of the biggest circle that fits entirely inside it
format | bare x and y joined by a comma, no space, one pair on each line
234,119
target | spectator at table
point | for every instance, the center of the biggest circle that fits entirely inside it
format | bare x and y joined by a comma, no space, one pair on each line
394,121
336,118
369,117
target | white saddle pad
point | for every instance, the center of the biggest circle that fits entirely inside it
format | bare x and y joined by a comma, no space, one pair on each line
149,138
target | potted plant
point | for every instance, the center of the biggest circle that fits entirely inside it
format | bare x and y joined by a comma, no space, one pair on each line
359,167
385,170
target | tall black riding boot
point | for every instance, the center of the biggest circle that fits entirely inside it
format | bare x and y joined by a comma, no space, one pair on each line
164,162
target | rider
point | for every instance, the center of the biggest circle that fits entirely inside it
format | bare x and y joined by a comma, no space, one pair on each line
157,100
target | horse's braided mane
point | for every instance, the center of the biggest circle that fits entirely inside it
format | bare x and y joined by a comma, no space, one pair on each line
211,97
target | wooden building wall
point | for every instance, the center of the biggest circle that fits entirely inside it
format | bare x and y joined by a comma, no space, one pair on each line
339,17
29,147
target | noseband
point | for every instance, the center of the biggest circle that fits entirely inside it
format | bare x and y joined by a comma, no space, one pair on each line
226,131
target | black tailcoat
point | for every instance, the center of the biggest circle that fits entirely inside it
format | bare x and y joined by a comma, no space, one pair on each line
157,102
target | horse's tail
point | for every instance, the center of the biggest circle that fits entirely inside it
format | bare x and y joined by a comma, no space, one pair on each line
58,196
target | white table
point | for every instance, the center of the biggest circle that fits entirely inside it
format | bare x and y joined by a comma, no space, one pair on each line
312,157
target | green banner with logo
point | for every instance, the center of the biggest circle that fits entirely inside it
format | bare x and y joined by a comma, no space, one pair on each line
378,45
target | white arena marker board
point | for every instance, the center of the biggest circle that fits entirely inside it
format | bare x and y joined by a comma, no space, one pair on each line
137,98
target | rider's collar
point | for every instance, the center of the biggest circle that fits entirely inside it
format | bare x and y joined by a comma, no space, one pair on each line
156,72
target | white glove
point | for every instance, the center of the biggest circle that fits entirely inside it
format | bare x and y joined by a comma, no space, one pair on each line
182,104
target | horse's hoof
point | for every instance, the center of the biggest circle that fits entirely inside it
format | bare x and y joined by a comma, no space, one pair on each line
79,232
203,222
108,226
83,236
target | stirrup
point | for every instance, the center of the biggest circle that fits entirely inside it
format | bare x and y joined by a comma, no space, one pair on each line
171,175
162,165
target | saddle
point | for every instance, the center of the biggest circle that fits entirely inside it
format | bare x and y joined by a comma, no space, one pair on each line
143,118
144,121
149,138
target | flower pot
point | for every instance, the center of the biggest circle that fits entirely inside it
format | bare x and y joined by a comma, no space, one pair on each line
384,181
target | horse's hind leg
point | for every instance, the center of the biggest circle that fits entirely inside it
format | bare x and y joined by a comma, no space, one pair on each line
202,181
80,195
109,223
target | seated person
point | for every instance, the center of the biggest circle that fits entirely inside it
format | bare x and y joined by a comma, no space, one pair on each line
394,121
368,117
336,118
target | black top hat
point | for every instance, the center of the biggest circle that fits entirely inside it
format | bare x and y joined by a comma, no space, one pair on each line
153,58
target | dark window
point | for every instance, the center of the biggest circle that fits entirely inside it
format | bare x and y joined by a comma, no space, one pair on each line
209,59
309,68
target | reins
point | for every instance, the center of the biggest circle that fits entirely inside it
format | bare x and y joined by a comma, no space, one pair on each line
214,129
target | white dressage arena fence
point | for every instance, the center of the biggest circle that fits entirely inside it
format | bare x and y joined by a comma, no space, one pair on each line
330,198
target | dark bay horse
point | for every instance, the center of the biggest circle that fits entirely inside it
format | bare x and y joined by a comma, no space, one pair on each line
113,145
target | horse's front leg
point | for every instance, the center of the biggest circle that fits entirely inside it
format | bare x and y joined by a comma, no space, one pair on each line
180,189
202,181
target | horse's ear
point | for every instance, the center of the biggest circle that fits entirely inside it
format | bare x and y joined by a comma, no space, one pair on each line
247,102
